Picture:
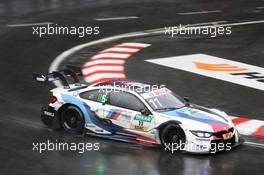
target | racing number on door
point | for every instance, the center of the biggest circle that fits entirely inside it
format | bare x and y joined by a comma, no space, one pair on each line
102,98
141,122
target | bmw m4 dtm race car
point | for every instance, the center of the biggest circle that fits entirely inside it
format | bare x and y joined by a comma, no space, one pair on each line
137,112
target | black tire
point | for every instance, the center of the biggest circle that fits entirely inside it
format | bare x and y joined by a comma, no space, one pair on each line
72,120
173,134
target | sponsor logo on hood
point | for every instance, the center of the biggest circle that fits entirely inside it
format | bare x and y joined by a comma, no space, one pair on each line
216,122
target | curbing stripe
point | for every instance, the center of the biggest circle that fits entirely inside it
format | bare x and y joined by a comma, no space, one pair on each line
260,131
249,127
114,58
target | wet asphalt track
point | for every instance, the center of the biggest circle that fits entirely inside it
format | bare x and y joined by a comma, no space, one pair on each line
20,98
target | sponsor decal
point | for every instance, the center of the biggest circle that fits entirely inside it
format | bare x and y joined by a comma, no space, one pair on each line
49,113
143,118
141,122
125,118
189,111
227,136
120,115
90,126
156,93
102,98
218,68
42,78
216,122
139,127
99,130
114,114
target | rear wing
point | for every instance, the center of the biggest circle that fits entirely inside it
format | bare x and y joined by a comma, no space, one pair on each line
62,75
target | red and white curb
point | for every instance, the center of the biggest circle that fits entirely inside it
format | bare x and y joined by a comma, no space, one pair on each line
109,64
250,127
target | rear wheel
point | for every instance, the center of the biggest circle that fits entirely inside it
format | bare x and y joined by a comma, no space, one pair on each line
72,120
173,135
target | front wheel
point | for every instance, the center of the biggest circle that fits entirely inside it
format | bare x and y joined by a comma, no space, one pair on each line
72,120
173,136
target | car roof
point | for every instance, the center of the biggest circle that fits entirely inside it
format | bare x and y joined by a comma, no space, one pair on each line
133,85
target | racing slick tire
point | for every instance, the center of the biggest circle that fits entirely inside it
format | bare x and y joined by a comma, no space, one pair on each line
173,136
72,120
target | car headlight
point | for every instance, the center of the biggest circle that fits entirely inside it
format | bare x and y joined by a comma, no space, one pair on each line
202,134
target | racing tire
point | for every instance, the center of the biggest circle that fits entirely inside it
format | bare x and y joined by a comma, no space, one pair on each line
72,120
173,136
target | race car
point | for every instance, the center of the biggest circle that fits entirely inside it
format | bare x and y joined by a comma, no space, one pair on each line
137,112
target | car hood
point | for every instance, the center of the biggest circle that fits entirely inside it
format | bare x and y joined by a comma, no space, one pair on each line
217,122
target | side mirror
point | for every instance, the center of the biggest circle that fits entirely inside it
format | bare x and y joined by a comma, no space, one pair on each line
187,99
145,112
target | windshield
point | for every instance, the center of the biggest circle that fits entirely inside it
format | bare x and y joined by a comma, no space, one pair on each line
163,99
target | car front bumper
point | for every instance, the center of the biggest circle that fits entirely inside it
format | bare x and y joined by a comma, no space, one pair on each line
212,145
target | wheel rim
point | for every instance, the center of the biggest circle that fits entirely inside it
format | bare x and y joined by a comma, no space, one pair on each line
72,119
173,137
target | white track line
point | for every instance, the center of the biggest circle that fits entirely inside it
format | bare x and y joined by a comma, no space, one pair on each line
59,59
200,12
116,18
243,23
208,23
29,24
135,44
254,144
259,7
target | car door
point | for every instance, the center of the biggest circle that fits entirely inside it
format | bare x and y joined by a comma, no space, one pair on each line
124,109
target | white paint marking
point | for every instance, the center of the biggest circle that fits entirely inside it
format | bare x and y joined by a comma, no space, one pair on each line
98,68
259,7
104,75
121,49
200,12
243,23
116,18
116,55
208,23
135,44
254,144
59,59
90,63
204,65
29,24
